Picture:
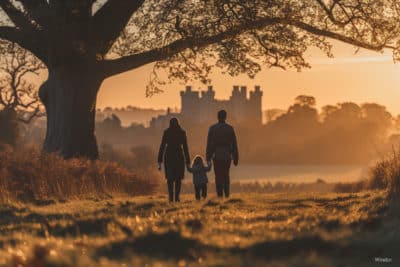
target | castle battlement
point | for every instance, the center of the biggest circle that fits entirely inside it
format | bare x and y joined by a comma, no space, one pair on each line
202,106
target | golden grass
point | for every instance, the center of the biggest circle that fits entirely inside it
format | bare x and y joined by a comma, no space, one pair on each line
30,175
298,229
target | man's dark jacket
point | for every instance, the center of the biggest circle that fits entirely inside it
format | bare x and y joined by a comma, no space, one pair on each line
221,137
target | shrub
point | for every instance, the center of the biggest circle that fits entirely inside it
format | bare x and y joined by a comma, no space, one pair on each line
353,187
386,175
31,175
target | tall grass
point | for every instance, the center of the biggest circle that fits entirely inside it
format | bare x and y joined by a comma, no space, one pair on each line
383,175
386,174
30,175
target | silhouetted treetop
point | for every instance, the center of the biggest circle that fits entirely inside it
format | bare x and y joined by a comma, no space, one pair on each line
239,36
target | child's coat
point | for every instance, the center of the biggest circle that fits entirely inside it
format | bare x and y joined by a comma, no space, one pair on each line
199,174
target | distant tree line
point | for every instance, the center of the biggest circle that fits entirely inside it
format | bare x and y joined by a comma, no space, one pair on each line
345,133
338,134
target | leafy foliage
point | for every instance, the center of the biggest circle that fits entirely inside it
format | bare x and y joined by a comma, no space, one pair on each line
185,38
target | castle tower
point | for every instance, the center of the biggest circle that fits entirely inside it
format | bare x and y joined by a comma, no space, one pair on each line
207,103
255,106
189,102
209,94
243,92
237,104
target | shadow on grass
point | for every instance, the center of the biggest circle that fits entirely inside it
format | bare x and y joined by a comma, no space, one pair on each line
91,227
167,245
173,245
287,248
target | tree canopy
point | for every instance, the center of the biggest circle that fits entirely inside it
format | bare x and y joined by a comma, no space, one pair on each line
187,37
83,42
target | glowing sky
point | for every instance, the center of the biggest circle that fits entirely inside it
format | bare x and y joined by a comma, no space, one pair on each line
362,77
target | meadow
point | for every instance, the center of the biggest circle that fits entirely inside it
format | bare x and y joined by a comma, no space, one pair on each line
299,229
57,213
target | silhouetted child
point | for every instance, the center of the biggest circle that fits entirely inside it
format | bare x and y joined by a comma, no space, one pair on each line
200,180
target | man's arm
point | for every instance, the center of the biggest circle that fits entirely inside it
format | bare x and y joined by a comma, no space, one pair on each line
235,151
208,167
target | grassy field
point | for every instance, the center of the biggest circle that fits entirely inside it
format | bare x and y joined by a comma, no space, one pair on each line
300,229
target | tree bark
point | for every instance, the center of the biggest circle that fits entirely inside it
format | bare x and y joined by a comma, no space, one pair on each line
69,96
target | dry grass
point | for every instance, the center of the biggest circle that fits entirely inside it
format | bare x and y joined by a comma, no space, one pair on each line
299,229
30,175
384,175
319,186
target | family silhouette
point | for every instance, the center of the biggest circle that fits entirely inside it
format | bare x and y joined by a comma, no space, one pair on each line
221,150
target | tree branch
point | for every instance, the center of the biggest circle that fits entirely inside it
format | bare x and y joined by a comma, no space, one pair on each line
10,34
110,21
38,10
26,41
116,66
17,17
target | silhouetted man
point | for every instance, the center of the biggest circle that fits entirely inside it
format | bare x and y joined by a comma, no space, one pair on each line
222,148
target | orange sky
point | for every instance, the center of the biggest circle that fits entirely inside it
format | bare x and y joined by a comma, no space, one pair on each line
363,77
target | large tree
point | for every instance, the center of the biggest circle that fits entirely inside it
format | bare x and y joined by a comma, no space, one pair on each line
84,42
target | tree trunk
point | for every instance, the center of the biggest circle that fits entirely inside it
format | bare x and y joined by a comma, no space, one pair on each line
69,96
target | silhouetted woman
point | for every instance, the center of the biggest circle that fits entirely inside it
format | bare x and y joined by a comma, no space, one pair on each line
175,153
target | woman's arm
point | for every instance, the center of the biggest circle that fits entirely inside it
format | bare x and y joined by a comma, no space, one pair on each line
162,148
189,169
186,149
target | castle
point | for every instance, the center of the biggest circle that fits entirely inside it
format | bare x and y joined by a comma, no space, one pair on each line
202,107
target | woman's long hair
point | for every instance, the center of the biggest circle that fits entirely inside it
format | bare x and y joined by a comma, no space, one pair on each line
174,124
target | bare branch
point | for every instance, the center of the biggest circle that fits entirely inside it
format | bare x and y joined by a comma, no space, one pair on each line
116,66
11,34
16,93
17,16
27,41
38,10
110,21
